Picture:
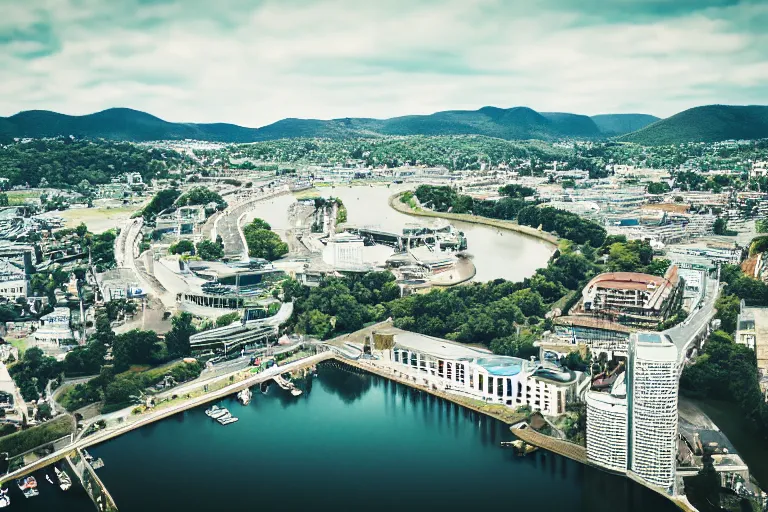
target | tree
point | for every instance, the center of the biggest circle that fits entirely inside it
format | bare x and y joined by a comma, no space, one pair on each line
3,199
134,347
728,307
314,323
209,251
120,391
263,243
177,339
721,226
182,246
658,267
658,188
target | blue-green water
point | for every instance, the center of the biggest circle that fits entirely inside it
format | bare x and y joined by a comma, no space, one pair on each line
351,441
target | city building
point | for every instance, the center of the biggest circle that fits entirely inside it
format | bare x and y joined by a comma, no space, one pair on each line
607,425
597,334
752,331
13,281
478,374
632,295
55,328
652,386
343,251
633,426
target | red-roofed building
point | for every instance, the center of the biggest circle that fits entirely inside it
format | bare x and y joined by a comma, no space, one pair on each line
632,293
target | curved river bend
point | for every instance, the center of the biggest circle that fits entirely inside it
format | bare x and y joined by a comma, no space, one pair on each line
496,253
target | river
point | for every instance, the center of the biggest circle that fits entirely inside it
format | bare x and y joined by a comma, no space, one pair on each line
496,253
351,441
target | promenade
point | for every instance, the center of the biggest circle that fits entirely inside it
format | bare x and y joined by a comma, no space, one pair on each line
156,415
395,203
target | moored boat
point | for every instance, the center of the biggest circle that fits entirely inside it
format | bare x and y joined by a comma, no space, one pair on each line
64,481
245,396
228,420
26,483
5,500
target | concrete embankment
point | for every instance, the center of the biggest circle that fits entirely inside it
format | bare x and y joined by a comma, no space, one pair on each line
505,414
395,203
147,418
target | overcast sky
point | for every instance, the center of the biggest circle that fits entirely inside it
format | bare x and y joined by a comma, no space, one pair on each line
252,62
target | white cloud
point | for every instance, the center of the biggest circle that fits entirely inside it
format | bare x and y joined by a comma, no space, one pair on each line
206,62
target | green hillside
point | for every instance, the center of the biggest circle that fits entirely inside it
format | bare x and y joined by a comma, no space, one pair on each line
619,124
710,123
517,123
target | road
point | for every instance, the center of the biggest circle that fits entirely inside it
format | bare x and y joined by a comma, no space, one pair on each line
685,332
228,224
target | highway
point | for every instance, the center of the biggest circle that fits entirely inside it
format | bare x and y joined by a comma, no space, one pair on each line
684,333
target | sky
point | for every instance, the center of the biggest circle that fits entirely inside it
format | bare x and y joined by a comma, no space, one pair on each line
253,62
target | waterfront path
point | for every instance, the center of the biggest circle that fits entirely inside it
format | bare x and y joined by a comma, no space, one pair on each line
395,203
228,224
151,417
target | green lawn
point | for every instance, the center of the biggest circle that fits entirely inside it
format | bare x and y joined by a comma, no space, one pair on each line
18,197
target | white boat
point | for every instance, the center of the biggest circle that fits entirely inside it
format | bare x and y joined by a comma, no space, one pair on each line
210,412
64,481
227,421
5,500
48,477
218,414
295,391
245,396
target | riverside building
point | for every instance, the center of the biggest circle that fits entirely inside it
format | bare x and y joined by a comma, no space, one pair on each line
633,426
478,374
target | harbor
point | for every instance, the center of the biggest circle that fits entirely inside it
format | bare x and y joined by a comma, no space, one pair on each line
402,435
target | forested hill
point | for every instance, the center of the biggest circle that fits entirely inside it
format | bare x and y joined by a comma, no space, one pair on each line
517,123
619,124
710,123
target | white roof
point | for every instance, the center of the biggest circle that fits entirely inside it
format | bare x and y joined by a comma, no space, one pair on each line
437,347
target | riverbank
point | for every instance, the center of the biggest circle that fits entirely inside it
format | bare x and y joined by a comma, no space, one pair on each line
512,418
396,204
165,411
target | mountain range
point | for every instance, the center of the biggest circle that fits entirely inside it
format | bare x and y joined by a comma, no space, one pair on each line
511,124
707,123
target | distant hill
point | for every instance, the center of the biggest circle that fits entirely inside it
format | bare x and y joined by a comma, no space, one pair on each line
710,123
619,124
127,124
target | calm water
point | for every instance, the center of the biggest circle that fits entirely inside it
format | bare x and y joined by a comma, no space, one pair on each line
50,497
351,441
496,253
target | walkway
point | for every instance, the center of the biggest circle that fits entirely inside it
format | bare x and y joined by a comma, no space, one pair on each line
146,419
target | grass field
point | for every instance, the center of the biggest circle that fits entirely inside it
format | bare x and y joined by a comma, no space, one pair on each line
98,220
17,197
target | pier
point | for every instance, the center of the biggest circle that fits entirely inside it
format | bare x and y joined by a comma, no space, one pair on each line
91,482
145,419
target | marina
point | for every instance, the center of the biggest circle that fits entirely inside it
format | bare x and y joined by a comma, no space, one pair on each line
357,424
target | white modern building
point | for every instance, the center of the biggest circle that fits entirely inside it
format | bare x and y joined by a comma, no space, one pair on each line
55,328
457,368
652,385
633,427
13,281
607,426
344,250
